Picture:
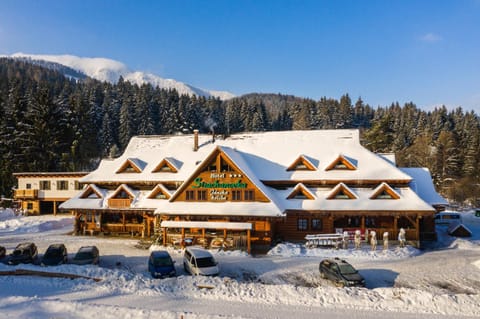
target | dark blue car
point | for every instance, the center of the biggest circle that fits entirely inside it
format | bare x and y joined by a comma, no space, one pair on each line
160,264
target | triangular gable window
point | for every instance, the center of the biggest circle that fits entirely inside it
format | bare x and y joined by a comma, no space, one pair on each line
341,163
90,193
384,191
159,192
122,193
301,192
165,167
301,164
341,191
129,167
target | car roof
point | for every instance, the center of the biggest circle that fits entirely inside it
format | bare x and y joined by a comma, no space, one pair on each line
335,261
24,245
56,246
199,252
88,248
160,253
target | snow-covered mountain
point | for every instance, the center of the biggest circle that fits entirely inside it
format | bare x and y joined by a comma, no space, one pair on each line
109,70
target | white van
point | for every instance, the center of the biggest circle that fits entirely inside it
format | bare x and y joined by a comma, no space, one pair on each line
447,218
197,261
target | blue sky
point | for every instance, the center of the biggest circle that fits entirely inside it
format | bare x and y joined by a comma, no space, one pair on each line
427,52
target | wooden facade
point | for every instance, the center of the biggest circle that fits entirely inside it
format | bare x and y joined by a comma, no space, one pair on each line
221,202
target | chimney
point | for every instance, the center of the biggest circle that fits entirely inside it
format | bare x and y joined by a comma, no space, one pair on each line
195,140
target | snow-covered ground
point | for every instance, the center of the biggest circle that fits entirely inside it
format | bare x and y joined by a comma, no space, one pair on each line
401,283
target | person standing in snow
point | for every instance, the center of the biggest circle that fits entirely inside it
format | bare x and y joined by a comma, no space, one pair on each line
345,240
373,240
357,239
401,237
385,241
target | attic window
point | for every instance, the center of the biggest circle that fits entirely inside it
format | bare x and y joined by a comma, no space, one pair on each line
164,167
90,193
300,192
122,194
159,192
341,163
301,164
341,191
384,191
129,167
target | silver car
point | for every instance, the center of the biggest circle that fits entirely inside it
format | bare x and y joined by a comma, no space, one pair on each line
87,255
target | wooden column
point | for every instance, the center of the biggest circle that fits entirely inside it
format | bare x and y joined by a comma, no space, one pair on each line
164,233
417,230
395,226
183,238
123,222
54,208
248,241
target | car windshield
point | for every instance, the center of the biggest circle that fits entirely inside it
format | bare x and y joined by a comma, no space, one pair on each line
347,269
205,262
19,252
84,255
162,261
53,253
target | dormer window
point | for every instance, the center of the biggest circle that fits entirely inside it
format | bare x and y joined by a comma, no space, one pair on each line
159,192
384,191
165,166
341,163
341,191
301,164
301,192
131,165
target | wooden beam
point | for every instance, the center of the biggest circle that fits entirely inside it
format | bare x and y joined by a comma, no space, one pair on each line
248,241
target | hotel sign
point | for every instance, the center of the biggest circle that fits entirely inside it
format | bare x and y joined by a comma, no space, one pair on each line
218,186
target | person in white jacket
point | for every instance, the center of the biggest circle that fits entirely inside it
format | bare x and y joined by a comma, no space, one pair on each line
357,239
385,241
401,237
373,240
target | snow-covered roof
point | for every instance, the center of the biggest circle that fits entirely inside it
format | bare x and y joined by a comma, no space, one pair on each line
268,155
422,184
264,158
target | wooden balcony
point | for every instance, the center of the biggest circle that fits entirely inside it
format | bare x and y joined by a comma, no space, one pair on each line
26,194
119,202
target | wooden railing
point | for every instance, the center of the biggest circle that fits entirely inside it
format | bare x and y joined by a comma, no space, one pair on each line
119,202
26,193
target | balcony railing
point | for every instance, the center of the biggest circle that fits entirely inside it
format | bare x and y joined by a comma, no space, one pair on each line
26,193
119,202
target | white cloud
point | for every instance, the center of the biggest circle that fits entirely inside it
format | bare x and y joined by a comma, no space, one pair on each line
431,37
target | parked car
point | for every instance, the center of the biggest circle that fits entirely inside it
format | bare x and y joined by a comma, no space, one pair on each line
3,252
56,254
24,253
87,255
160,264
447,218
197,261
341,272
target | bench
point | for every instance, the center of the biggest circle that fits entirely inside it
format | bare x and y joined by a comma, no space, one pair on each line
324,240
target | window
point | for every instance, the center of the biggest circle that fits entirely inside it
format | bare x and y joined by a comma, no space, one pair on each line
224,166
29,206
45,185
28,186
190,195
237,195
317,224
77,186
302,224
342,195
62,185
249,195
202,195
122,194
160,195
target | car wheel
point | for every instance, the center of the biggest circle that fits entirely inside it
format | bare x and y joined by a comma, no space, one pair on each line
340,284
322,275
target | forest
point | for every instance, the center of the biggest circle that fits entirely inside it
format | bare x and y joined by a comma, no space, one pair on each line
53,122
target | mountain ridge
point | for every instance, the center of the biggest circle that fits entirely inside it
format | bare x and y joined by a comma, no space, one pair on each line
108,70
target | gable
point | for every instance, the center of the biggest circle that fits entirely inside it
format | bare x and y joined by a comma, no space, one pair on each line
123,192
301,164
341,163
130,166
219,179
159,192
384,191
341,191
91,192
165,166
301,192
